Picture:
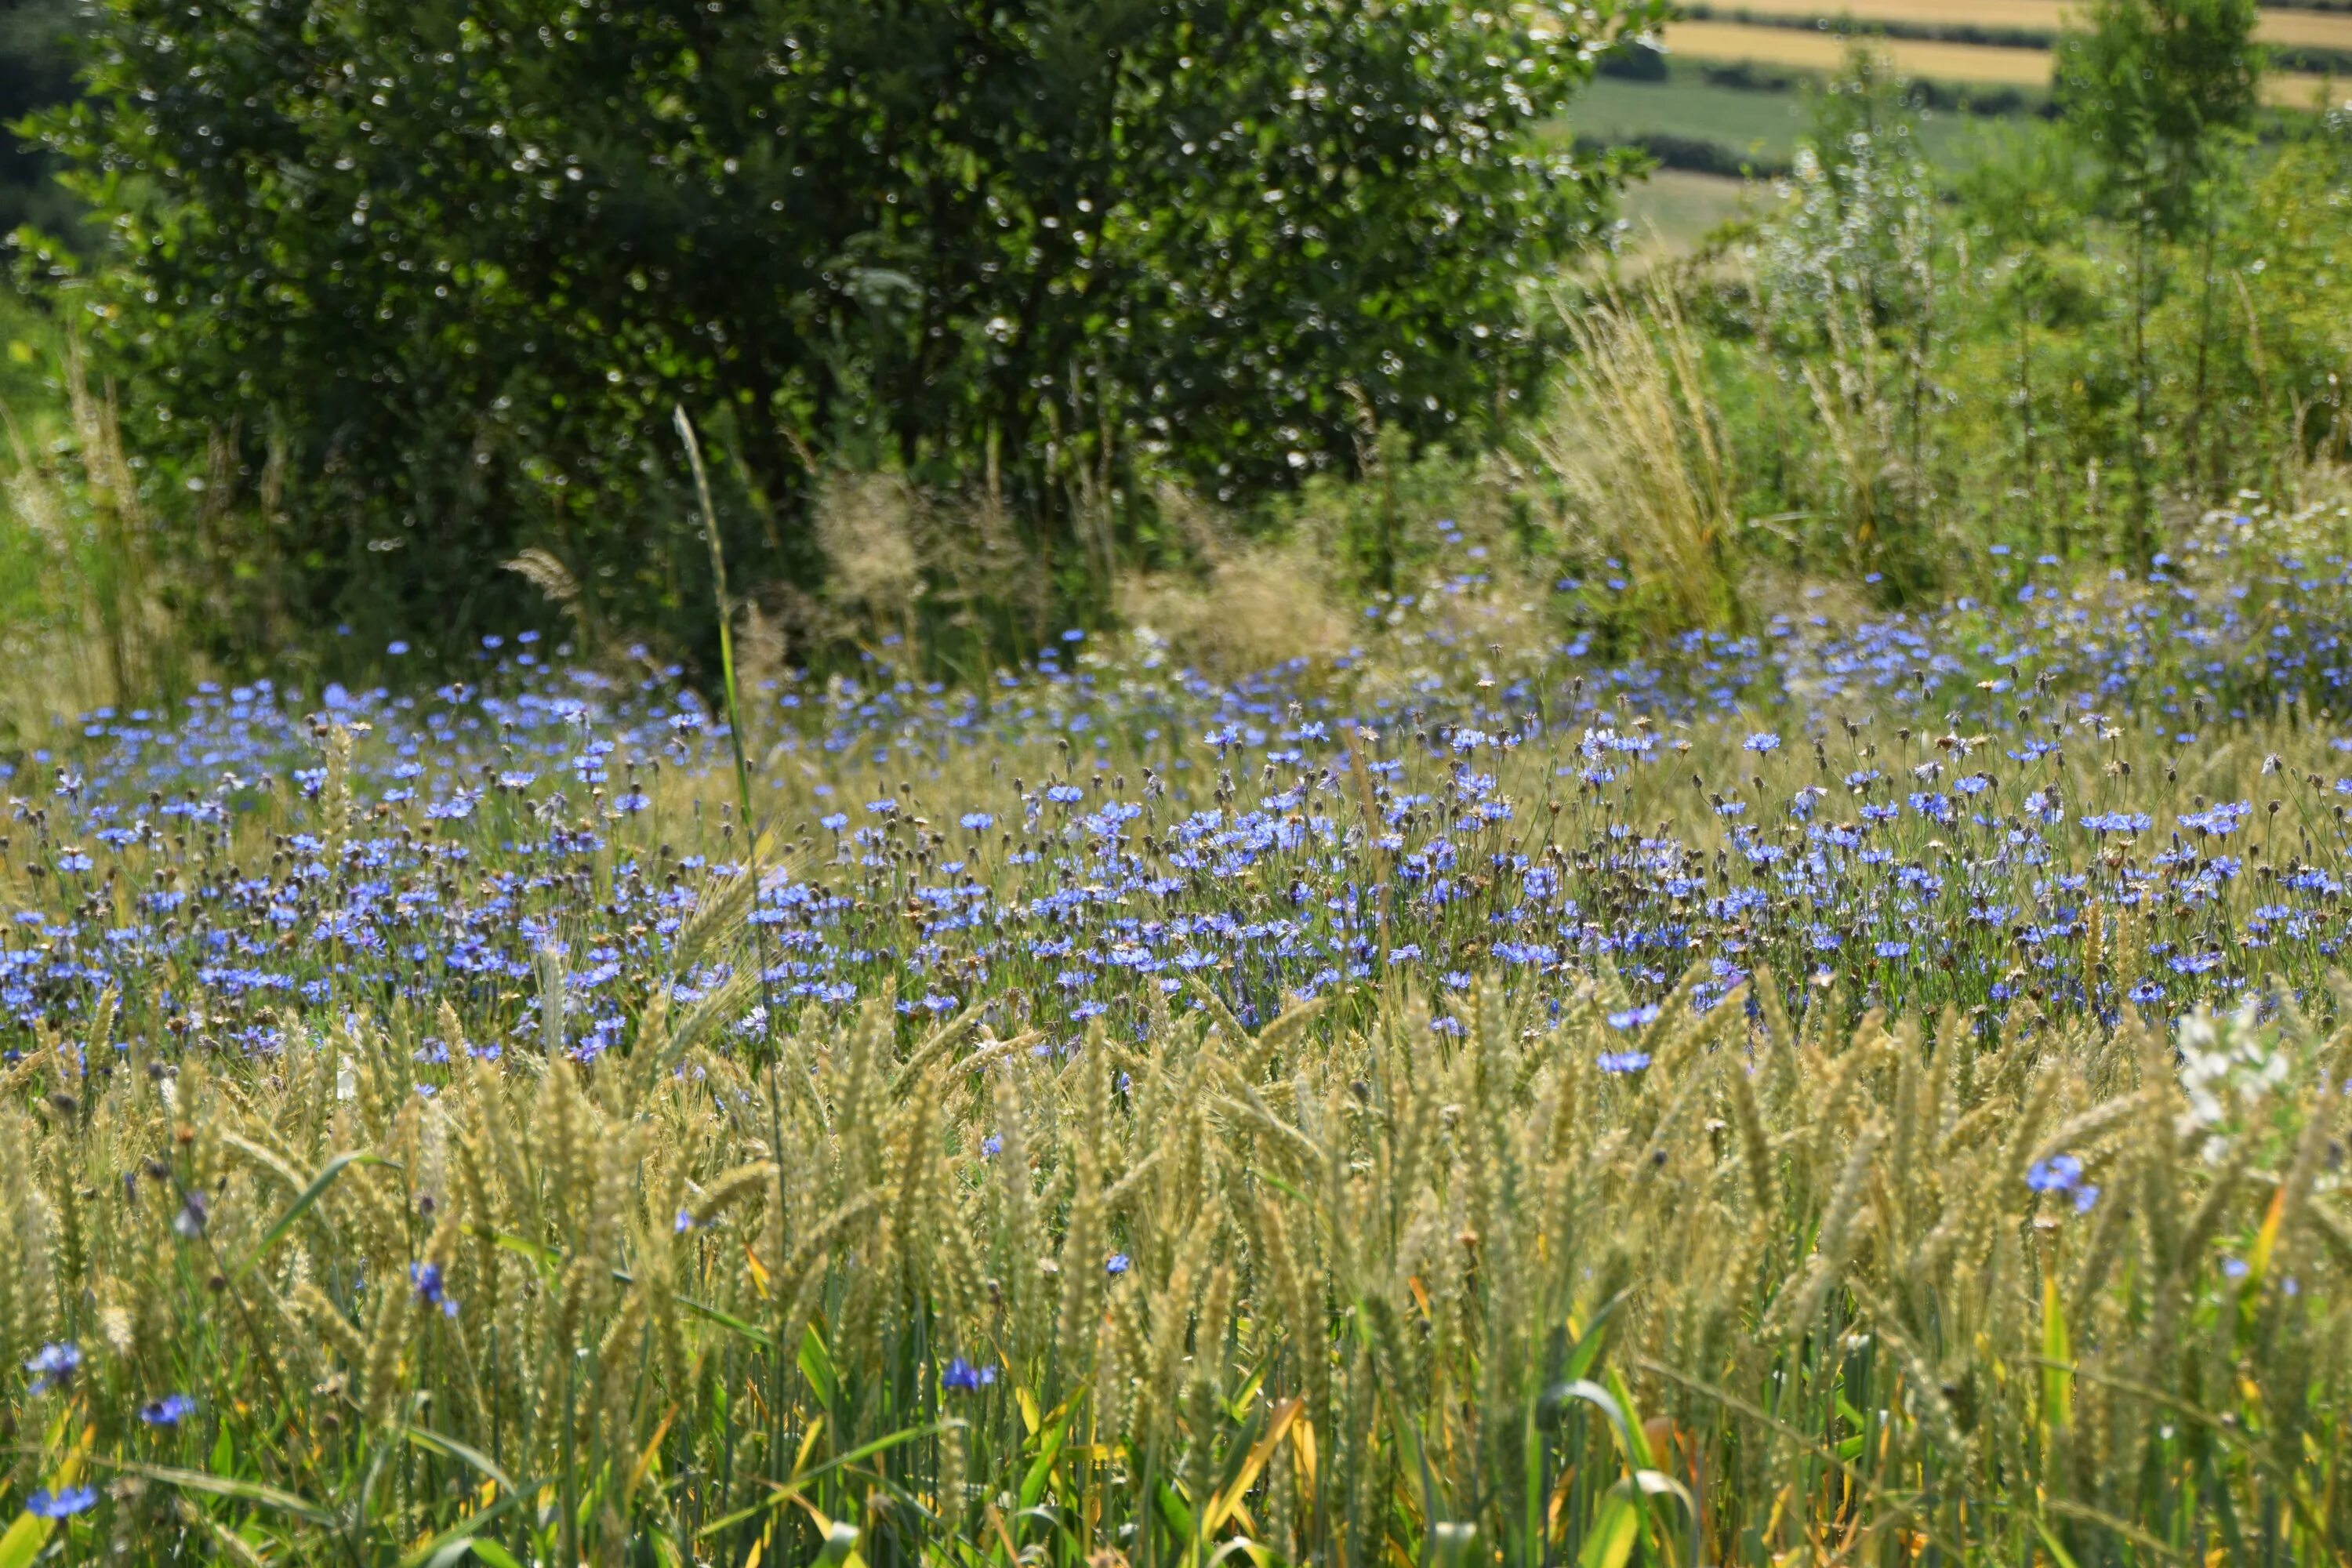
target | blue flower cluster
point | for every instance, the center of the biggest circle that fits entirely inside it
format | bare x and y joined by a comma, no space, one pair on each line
1941,809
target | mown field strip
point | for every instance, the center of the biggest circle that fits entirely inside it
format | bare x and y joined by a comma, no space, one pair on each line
2305,30
1942,62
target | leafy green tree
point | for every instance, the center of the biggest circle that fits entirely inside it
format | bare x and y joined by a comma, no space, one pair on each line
2158,90
438,270
36,72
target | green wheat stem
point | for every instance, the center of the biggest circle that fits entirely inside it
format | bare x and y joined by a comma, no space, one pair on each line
726,635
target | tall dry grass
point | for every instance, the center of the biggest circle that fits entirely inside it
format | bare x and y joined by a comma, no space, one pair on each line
91,625
1633,442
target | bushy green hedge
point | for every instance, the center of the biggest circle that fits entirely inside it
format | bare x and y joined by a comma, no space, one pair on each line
441,271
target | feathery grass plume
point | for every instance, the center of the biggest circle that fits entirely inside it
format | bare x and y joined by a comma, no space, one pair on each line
2109,1232
556,1343
335,795
858,1152
554,1000
730,1189
1797,1310
1297,1312
715,1009
1208,1353
721,906
1757,1160
336,1329
2212,1212
1926,1383
1081,1258
69,1227
1635,444
380,1363
28,1287
1171,1319
1020,1238
613,1398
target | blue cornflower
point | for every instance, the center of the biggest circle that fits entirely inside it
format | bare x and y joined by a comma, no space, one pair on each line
991,1145
684,1223
1634,1018
168,1411
1622,1061
53,1365
977,821
1893,949
425,1279
962,1377
2058,1173
1118,1263
64,1504
1761,741
1064,794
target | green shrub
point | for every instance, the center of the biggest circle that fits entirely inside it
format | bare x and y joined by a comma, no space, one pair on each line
448,268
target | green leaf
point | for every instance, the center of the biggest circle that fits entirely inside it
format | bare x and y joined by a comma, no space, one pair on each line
24,1541
1590,1344
816,1366
303,1203
253,1492
1611,1540
2064,1558
1041,1470
2057,1359
449,1447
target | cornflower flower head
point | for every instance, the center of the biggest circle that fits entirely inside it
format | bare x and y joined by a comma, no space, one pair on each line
425,1280
960,1377
168,1411
54,1365
63,1503
2058,1173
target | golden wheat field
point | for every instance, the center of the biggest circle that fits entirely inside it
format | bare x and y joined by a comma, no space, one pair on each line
2308,30
1825,51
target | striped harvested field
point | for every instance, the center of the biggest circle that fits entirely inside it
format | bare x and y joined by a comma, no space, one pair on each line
2303,29
1937,62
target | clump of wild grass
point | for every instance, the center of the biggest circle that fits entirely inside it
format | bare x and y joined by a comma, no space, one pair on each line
1647,479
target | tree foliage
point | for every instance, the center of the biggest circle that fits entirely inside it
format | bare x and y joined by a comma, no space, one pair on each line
439,269
2157,88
